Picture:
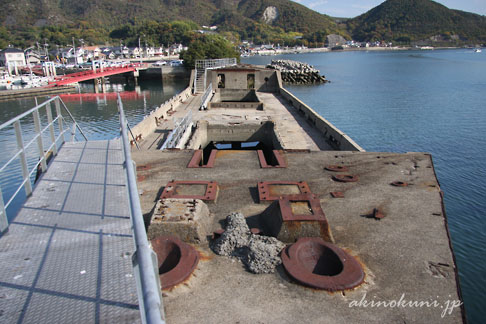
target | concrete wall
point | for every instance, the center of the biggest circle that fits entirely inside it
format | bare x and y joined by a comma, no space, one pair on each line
340,140
265,80
171,72
237,105
149,124
237,95
248,132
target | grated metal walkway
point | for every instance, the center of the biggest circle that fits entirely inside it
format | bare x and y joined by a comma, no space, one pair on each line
67,255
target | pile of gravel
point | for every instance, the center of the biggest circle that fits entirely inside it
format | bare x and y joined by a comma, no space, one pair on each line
260,254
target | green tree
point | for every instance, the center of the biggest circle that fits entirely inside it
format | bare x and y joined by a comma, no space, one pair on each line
208,47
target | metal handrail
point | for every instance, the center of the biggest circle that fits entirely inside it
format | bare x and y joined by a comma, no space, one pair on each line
206,97
42,153
204,65
144,259
176,134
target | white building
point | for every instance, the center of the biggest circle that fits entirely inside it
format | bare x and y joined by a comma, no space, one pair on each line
12,57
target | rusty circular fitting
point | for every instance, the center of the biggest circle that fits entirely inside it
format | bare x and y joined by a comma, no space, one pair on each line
177,260
345,178
319,264
337,168
399,184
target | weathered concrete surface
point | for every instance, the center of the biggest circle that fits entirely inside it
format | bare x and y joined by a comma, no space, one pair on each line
401,253
276,110
189,219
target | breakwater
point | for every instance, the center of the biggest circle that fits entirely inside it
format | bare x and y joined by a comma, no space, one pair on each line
294,72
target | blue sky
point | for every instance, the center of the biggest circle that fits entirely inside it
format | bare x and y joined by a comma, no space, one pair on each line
353,8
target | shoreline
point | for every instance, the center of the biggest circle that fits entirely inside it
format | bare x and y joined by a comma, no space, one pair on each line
351,49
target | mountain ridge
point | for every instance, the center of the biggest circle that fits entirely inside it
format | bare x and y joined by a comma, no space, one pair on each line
414,20
25,22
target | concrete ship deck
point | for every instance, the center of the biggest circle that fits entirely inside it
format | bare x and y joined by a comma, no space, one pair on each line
397,232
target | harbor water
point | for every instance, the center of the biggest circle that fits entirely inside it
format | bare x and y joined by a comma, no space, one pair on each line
418,101
387,101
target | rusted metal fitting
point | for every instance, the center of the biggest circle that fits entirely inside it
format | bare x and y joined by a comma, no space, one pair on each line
210,194
337,194
273,190
378,214
322,265
399,184
337,168
144,167
177,260
345,178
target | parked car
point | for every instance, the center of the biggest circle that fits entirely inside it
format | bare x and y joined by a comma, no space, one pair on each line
176,63
160,63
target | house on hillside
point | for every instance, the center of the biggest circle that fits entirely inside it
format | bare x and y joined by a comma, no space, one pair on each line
149,51
11,57
72,55
159,51
92,52
135,51
110,55
122,51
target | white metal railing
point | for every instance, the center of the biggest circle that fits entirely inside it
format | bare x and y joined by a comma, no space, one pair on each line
206,97
179,130
203,65
144,259
42,151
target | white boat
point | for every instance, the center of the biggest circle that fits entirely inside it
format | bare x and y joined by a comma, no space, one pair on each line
34,81
477,50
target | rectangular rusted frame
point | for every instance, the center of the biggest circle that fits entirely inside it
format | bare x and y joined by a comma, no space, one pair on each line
263,162
312,200
264,189
210,194
197,157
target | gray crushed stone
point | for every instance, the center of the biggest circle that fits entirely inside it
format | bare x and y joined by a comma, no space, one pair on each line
260,254
235,236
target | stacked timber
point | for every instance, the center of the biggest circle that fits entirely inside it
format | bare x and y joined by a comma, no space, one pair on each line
294,72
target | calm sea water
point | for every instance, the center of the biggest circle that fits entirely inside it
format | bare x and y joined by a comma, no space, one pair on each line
430,101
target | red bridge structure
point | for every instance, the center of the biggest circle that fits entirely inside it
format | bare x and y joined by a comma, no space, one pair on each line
92,74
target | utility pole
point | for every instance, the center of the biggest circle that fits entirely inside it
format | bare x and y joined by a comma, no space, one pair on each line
45,49
74,53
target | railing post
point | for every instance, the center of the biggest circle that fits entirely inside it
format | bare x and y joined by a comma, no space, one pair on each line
23,159
51,126
59,119
40,145
73,133
3,214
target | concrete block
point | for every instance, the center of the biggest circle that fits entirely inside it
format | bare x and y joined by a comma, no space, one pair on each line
189,219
